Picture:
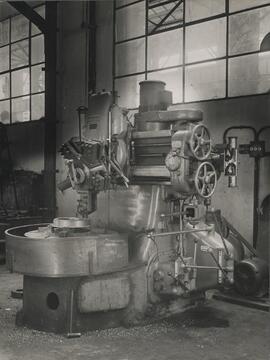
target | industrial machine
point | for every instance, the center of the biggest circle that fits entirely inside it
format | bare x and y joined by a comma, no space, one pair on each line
145,241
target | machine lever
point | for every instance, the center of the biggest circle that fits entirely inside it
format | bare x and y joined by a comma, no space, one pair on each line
177,281
126,180
218,265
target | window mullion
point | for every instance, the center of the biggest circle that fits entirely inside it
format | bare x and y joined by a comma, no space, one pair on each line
30,71
10,88
184,53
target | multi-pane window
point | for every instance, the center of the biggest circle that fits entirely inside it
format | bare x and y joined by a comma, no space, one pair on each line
22,76
202,49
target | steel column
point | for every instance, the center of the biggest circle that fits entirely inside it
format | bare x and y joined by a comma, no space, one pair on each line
50,109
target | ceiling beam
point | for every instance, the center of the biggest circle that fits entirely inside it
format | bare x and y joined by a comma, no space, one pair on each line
166,17
30,14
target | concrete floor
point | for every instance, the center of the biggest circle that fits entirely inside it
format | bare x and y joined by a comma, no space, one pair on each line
217,331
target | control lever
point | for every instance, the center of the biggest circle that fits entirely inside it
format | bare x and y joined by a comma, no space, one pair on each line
177,281
116,168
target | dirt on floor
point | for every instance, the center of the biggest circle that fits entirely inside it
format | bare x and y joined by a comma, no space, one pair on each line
216,331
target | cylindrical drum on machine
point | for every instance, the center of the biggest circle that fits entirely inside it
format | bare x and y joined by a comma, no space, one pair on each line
150,95
97,252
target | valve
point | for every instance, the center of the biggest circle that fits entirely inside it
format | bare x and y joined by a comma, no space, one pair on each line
200,142
205,179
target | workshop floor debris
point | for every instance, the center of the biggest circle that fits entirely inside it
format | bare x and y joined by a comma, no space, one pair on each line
217,331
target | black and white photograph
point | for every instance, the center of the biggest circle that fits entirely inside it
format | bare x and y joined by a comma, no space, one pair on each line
134,180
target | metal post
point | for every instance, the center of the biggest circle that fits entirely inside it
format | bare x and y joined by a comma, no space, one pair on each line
50,109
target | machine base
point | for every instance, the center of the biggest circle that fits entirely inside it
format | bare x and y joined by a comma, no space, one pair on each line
54,305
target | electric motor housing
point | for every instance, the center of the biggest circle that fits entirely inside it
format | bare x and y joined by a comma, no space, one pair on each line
251,277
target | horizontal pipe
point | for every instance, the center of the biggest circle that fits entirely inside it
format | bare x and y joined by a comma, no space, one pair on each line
240,127
262,129
205,267
179,232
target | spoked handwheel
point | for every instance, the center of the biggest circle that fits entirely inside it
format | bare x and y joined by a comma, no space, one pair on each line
205,179
200,142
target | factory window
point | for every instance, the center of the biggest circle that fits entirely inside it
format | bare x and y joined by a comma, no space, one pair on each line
22,78
163,15
202,49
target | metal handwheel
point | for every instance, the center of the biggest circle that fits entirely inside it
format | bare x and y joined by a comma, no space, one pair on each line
200,142
205,179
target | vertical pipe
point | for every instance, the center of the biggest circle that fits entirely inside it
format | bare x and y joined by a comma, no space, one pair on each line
256,179
256,192
109,166
180,236
256,200
195,260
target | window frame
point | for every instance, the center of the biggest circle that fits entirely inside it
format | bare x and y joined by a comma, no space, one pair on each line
185,24
29,66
